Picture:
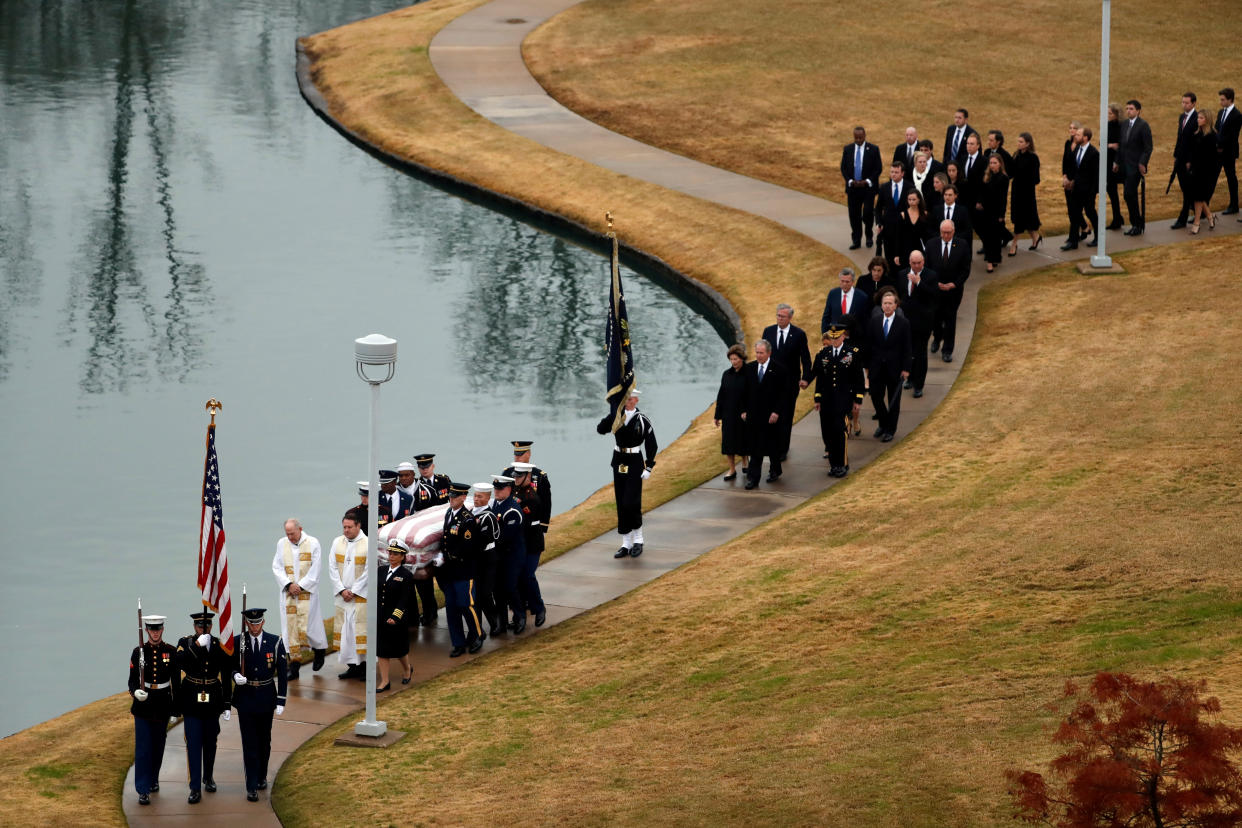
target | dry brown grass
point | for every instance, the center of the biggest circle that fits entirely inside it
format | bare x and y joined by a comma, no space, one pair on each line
379,82
882,654
70,770
772,89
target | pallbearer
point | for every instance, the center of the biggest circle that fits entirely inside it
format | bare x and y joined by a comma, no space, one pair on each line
538,479
259,693
432,487
205,693
531,504
488,593
154,682
511,554
460,547
349,568
298,565
634,436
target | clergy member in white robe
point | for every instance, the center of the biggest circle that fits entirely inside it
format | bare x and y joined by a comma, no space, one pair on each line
297,568
349,566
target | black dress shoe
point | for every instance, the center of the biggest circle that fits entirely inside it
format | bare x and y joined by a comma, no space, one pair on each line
209,785
1178,225
429,621
1229,211
1116,225
318,662
295,670
457,652
383,689
870,242
519,626
918,392
262,785
730,476
143,799
907,385
935,346
946,356
855,245
195,797
635,551
1095,242
1135,231
361,675
772,478
406,679
348,674
541,617
875,416
750,484
836,471
887,438
625,553
879,432
475,646
251,796
1070,245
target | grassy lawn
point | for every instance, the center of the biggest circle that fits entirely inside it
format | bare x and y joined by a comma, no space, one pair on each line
882,654
772,89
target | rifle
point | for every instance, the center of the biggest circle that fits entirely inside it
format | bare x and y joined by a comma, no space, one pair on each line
242,651
142,660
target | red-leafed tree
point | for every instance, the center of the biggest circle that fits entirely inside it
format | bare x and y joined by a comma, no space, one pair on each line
1137,753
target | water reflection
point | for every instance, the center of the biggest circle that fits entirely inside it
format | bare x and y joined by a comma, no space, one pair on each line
23,273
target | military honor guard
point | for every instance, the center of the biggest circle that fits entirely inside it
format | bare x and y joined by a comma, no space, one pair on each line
349,570
432,487
487,592
363,509
407,478
460,548
297,568
532,507
205,693
629,470
511,557
393,503
839,389
154,684
260,667
396,602
538,479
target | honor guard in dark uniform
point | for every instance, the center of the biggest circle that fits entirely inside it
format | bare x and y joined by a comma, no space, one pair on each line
538,479
532,505
460,548
154,683
363,509
487,593
396,603
839,389
635,436
432,487
260,669
205,691
394,504
511,558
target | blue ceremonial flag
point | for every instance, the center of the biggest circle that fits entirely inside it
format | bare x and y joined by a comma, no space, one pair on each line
621,378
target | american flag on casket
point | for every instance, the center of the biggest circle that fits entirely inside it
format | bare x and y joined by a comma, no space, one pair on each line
422,532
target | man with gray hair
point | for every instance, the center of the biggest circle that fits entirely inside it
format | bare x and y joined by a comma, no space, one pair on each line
767,390
297,567
792,352
846,299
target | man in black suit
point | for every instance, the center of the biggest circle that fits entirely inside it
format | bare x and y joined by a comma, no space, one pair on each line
950,258
766,391
1069,171
1187,126
889,361
890,202
1081,179
846,300
860,167
903,154
1228,125
955,137
954,210
792,352
917,287
996,146
1133,153
973,166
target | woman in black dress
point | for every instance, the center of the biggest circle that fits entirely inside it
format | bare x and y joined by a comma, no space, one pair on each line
1204,170
913,227
992,217
1023,208
1115,174
396,586
730,403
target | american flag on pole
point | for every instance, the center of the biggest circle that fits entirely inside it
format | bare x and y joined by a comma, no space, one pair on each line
213,564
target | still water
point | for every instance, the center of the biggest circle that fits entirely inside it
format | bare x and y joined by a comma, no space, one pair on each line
176,224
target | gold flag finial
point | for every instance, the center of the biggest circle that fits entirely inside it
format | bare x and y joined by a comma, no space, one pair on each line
608,218
214,405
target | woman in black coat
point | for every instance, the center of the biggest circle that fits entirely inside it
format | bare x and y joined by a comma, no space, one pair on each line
395,601
992,217
730,403
1115,175
1204,169
913,227
1023,209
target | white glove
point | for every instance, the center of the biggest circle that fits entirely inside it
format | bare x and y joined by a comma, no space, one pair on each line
172,719
228,714
280,710
239,679
204,639
646,473
140,694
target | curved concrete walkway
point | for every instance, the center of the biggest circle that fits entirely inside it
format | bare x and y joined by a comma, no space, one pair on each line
479,57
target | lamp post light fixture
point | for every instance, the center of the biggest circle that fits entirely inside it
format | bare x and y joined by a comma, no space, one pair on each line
378,353
1101,258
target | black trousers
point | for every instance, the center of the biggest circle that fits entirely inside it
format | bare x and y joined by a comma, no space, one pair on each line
945,326
886,384
486,596
833,419
150,735
1229,166
201,733
1114,200
1133,182
256,739
627,488
919,334
860,201
1187,188
1082,215
427,597
762,441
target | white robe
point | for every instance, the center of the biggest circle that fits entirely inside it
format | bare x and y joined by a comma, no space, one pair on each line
309,582
349,568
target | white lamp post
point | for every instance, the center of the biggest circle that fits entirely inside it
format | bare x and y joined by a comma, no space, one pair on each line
379,353
1101,259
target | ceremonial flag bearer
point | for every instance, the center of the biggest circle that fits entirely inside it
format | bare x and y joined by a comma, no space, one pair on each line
205,692
634,436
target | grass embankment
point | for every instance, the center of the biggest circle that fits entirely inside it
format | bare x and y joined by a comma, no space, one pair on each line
379,82
882,654
70,770
772,89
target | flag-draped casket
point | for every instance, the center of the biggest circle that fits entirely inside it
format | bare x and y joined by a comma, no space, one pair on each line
421,531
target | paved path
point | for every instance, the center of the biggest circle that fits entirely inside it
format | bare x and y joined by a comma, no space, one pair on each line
479,57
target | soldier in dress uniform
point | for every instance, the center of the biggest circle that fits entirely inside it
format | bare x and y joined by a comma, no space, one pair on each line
635,435
154,683
511,557
432,487
423,496
839,389
532,505
396,599
260,667
393,503
488,593
205,692
460,548
363,509
407,478
538,479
